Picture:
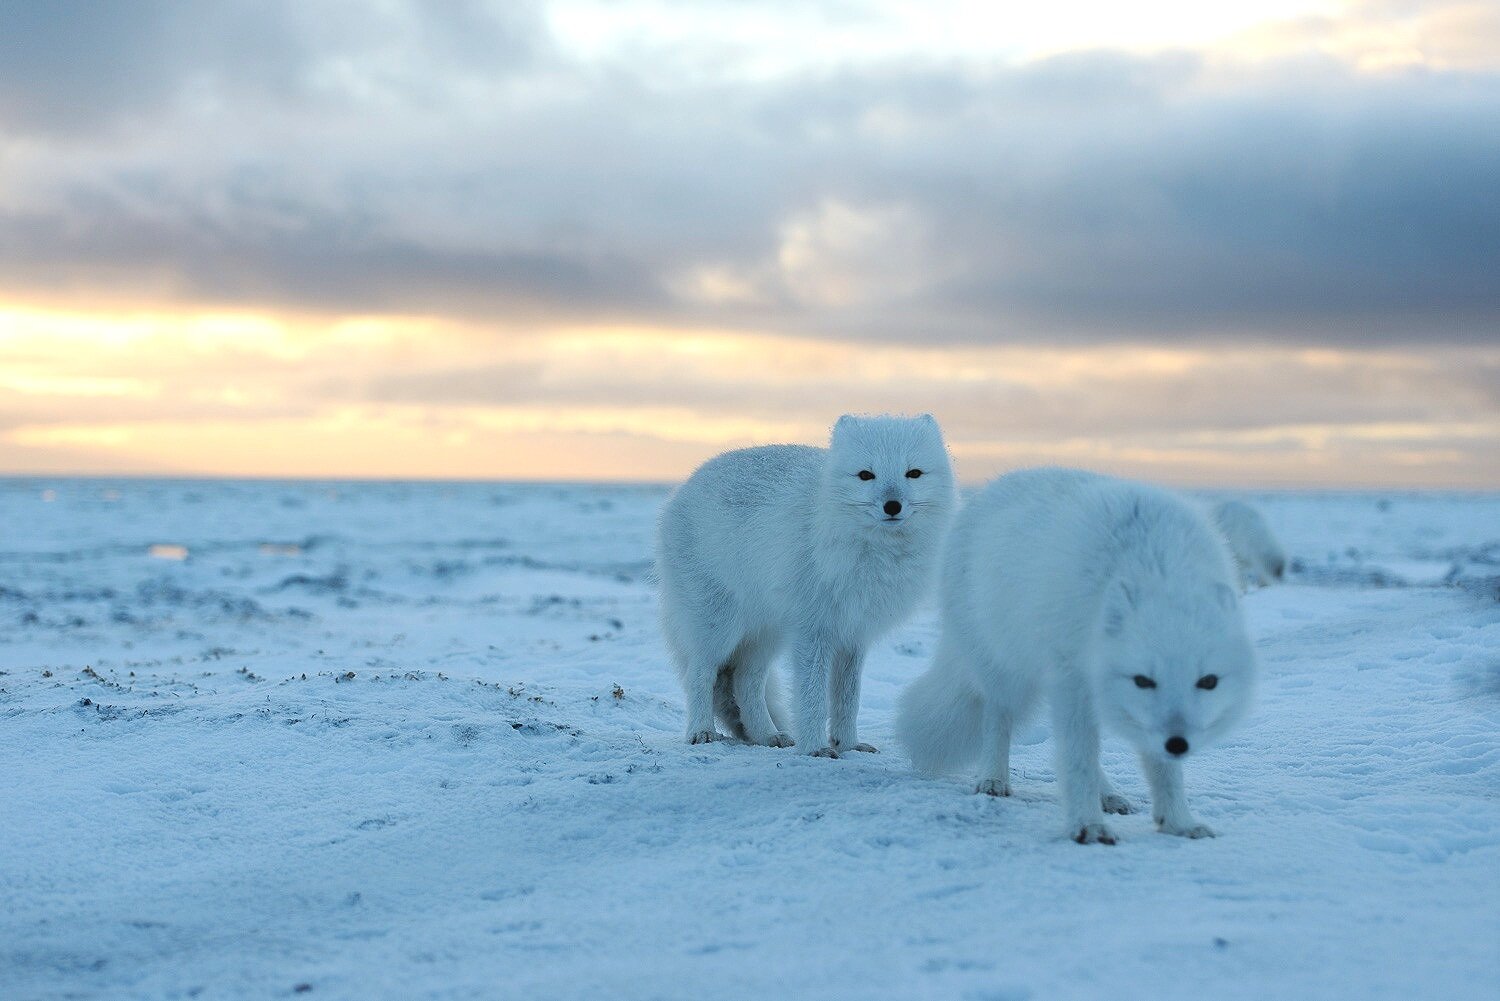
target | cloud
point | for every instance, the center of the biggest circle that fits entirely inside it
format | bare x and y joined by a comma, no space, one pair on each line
462,160
1385,34
72,66
983,394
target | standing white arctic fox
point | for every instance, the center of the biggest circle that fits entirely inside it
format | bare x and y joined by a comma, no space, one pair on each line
819,549
1258,555
1115,600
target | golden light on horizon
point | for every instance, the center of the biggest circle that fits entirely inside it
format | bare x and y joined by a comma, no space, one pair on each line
255,394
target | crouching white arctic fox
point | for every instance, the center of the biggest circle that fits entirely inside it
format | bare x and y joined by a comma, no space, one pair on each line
821,550
1256,552
1115,600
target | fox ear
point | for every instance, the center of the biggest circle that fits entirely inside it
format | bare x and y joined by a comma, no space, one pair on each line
843,426
1119,602
928,427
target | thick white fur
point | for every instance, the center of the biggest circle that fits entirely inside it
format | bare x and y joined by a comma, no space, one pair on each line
1065,584
1260,558
786,546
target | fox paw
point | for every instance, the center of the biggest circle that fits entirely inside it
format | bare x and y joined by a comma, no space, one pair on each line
993,787
824,752
864,748
704,737
1090,834
780,740
1188,830
1114,803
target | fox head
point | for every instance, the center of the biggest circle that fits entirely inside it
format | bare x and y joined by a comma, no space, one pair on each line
1260,558
1177,667
890,473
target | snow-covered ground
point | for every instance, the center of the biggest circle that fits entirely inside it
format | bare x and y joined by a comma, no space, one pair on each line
421,741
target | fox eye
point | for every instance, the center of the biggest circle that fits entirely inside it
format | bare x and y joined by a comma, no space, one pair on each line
1208,681
1141,681
865,474
912,474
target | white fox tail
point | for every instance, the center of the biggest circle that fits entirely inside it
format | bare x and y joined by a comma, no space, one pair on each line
938,721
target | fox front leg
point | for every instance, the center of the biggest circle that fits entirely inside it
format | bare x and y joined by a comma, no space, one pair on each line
1169,807
1075,733
848,666
810,667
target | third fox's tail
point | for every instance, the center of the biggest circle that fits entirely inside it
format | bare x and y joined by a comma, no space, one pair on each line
938,721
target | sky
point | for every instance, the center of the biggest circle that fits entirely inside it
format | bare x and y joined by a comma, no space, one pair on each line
1231,244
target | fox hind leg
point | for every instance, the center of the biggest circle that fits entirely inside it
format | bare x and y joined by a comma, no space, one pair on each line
699,619
1111,801
750,672
994,765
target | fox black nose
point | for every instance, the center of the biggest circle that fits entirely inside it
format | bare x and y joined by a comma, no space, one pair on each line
893,507
1176,746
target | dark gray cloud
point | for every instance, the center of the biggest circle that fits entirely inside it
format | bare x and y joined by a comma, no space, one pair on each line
448,158
71,66
1368,215
322,263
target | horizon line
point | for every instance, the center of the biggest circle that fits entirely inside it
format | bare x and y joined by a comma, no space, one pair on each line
667,484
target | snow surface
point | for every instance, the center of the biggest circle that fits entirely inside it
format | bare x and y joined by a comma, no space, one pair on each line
421,741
